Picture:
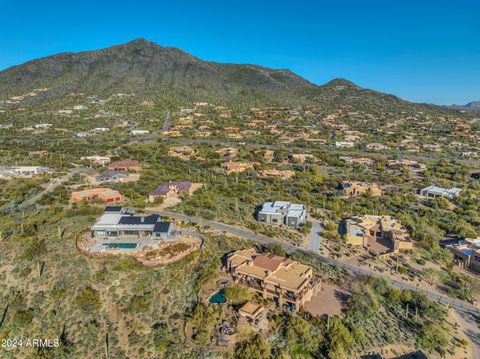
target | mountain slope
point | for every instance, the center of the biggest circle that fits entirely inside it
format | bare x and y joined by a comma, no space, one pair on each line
474,105
141,66
147,69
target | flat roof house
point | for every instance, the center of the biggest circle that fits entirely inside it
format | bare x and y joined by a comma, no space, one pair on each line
236,167
281,212
288,283
467,253
436,192
352,189
346,144
125,165
251,310
21,171
359,230
182,152
106,195
117,222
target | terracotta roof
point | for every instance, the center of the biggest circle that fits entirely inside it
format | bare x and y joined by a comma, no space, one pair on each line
269,261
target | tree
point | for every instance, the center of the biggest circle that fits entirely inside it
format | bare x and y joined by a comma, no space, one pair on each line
254,349
275,248
464,229
430,275
339,339
237,294
88,299
203,322
300,333
433,336
427,233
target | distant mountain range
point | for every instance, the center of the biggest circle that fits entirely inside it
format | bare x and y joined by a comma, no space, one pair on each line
149,70
474,105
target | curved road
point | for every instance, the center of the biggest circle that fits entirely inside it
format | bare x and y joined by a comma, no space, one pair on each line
467,314
458,305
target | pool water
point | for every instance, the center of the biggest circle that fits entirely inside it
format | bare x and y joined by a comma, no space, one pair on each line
218,297
121,245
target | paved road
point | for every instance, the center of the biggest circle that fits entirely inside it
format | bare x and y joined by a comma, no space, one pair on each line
166,124
459,305
314,236
52,186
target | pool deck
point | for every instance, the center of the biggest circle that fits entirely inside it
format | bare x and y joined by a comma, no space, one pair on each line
99,245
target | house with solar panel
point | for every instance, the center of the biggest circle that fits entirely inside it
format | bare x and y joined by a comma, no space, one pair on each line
281,212
118,223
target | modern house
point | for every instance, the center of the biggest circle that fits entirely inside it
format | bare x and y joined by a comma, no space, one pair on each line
101,129
436,192
117,222
281,212
125,165
344,144
106,195
352,189
21,171
467,253
169,188
358,231
139,132
288,283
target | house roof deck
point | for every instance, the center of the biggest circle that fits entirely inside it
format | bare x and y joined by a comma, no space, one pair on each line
276,270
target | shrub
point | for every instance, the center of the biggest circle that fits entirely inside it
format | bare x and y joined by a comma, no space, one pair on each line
88,299
237,294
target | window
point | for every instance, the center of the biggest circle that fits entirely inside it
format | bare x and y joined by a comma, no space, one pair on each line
130,233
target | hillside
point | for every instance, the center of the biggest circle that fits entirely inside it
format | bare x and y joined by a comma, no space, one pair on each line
147,69
473,105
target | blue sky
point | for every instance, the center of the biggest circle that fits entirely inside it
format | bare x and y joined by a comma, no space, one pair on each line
424,50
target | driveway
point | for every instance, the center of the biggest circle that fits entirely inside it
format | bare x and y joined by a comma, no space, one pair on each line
314,236
248,234
52,186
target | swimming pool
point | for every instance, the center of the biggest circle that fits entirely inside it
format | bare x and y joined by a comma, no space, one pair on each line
121,245
218,297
